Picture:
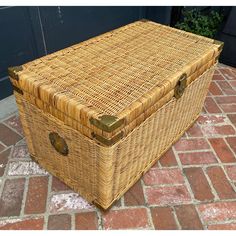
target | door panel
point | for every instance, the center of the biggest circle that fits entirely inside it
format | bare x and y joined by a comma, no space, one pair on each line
17,42
65,26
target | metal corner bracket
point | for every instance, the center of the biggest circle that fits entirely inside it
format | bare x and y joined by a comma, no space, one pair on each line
107,123
144,20
12,72
108,142
220,44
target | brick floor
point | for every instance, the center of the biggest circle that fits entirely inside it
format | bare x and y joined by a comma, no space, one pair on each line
193,186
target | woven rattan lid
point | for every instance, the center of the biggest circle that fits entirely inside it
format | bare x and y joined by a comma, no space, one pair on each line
109,80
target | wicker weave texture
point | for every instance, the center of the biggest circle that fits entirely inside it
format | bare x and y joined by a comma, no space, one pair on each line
103,174
120,73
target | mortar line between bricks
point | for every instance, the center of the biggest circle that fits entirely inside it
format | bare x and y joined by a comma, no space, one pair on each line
158,164
213,191
26,217
200,218
150,221
221,222
225,122
204,107
3,146
122,201
14,130
197,165
193,151
213,98
221,73
164,168
9,117
173,212
72,223
196,151
227,177
187,184
196,203
47,210
16,113
226,80
144,192
163,185
100,219
201,165
223,93
3,178
230,148
222,167
23,176
26,188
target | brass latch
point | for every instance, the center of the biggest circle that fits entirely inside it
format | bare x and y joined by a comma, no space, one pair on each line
180,86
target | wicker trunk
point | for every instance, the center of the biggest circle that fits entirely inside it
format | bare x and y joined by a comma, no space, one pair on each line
99,114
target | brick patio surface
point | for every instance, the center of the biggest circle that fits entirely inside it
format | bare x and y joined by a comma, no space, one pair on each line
193,186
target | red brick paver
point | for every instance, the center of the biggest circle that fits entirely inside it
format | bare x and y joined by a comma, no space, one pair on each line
155,176
37,195
163,218
222,150
220,183
15,123
24,224
168,159
193,185
226,226
199,185
86,221
8,136
57,185
197,158
59,222
188,217
134,196
167,195
219,211
126,219
11,198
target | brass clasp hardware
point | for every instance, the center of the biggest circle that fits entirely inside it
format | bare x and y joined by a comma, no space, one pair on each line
180,86
58,143
12,72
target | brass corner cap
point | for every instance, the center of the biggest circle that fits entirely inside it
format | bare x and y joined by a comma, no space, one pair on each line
107,122
220,44
108,142
143,20
12,71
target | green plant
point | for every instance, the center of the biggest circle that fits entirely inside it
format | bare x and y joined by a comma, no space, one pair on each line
203,24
